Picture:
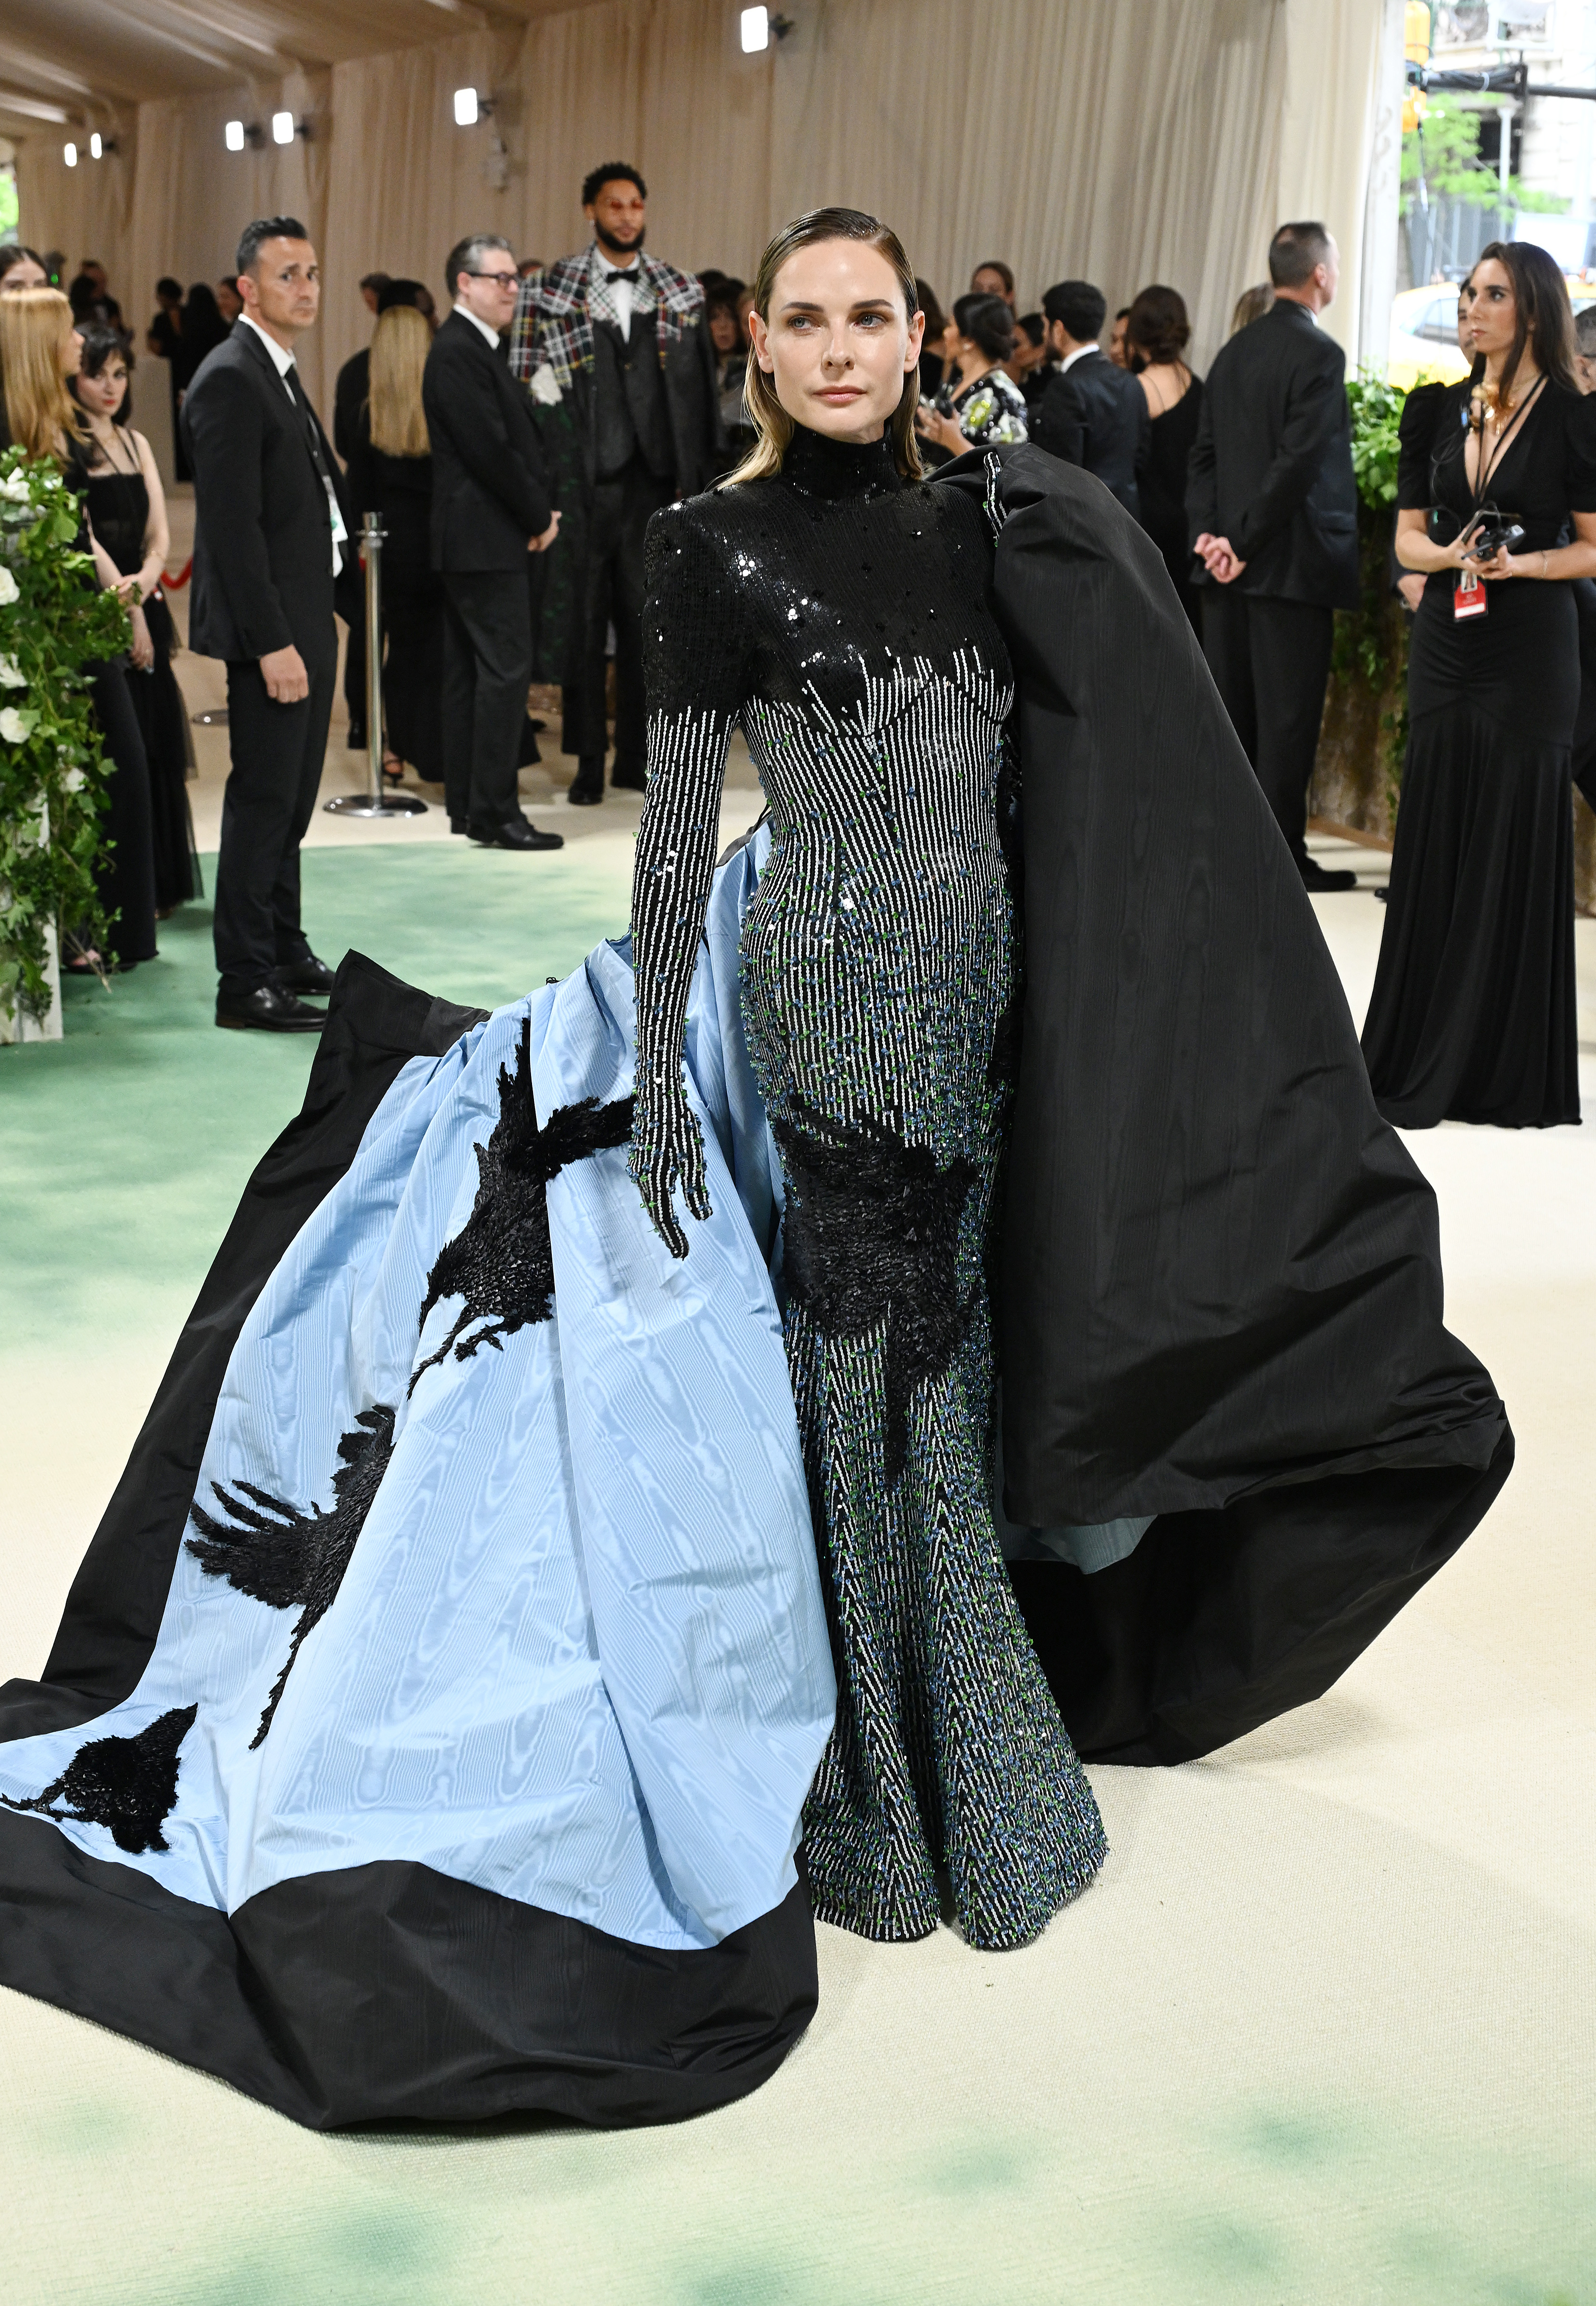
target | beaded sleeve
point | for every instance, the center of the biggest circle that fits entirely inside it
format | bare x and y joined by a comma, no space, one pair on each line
693,662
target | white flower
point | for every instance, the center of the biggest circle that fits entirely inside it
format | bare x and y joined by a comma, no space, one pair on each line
15,727
545,386
9,587
13,488
72,781
11,677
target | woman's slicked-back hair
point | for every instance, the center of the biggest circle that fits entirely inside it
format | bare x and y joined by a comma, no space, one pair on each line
772,423
1544,318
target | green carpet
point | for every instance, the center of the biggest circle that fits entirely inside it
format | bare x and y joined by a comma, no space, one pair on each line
123,1148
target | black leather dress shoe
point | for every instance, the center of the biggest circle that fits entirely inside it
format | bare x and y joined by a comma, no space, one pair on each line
629,776
515,833
269,1009
1319,883
307,976
587,786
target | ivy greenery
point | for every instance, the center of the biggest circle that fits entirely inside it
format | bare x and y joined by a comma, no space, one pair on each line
54,620
1372,644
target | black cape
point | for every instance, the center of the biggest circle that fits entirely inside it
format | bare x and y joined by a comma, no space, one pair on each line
1221,1298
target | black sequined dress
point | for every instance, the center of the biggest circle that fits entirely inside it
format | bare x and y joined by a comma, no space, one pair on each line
840,616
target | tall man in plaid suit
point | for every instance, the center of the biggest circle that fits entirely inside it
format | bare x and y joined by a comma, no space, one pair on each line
612,348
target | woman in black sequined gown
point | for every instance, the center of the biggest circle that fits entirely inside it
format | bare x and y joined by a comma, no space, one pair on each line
127,512
837,610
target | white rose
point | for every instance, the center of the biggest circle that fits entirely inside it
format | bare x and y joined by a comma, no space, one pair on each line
15,727
545,386
9,587
14,487
10,676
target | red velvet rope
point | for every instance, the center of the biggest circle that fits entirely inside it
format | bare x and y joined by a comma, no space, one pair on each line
176,583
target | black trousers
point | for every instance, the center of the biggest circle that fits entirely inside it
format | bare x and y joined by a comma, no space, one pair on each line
612,595
278,751
1585,719
1270,661
354,672
124,876
487,671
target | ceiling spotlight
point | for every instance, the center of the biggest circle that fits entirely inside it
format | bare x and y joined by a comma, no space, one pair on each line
282,128
94,147
233,136
470,106
69,153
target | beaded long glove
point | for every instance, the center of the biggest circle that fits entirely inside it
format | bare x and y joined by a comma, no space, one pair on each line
691,664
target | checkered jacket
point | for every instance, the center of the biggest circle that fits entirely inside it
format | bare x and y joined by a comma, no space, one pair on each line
551,335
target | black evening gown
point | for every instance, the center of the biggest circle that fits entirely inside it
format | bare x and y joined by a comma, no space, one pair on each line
1473,1016
119,509
400,488
1163,493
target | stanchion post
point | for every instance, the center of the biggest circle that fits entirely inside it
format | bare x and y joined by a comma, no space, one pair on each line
374,801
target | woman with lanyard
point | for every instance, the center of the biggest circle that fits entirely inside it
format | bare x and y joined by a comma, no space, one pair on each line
1473,1016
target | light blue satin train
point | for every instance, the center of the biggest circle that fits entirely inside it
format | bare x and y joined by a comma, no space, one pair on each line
579,1656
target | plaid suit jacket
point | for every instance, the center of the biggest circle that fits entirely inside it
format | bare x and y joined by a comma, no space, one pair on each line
553,329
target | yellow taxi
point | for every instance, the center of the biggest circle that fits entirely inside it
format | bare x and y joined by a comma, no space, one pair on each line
1424,331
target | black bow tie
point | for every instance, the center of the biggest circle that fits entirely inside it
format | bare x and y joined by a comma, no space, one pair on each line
630,274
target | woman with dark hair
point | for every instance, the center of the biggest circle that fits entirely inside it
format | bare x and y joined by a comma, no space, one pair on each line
1473,1016
730,353
22,267
127,509
163,338
1156,334
511,1712
977,407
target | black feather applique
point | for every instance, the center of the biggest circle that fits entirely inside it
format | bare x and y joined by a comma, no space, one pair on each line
871,1233
129,1784
500,1261
289,1559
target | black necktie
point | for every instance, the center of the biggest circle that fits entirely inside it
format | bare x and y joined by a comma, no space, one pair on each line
312,430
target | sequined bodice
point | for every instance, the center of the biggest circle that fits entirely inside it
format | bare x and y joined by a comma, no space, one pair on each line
841,615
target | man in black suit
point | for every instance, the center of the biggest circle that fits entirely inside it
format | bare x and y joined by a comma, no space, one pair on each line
1092,413
1273,509
490,507
271,543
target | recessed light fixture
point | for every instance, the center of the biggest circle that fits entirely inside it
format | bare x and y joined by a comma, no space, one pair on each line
282,128
233,136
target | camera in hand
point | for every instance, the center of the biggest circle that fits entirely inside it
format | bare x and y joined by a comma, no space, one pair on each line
1496,532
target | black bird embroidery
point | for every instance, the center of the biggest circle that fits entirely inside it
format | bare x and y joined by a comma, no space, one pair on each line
872,1234
290,1560
500,1261
129,1784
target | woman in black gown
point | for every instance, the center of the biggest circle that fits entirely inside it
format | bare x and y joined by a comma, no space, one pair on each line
391,472
127,509
1156,334
1473,1016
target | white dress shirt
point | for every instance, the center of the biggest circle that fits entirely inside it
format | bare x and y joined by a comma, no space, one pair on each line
616,294
490,334
1069,359
282,362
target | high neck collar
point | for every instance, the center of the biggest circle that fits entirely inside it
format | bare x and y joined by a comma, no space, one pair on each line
824,467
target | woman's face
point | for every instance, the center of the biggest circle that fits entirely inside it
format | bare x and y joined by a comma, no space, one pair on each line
1493,309
102,395
25,274
839,341
71,353
229,303
724,331
1465,299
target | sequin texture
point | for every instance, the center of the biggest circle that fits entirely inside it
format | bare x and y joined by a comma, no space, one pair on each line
839,615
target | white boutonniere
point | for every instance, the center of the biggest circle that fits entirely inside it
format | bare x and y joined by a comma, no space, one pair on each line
545,386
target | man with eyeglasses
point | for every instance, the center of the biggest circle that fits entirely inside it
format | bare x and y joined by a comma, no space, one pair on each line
490,509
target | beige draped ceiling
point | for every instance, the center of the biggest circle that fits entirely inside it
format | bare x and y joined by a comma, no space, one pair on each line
1121,140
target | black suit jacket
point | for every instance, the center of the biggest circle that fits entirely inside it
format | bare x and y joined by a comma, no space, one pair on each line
263,573
1272,467
1095,416
490,481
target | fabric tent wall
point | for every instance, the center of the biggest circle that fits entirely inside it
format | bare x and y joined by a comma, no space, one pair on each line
1119,143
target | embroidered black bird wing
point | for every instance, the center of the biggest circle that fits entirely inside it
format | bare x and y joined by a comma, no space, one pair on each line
128,1784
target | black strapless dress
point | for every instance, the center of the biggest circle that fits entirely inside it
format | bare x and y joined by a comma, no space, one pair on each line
119,509
1473,1016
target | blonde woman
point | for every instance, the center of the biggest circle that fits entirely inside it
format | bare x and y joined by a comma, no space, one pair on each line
40,355
391,472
